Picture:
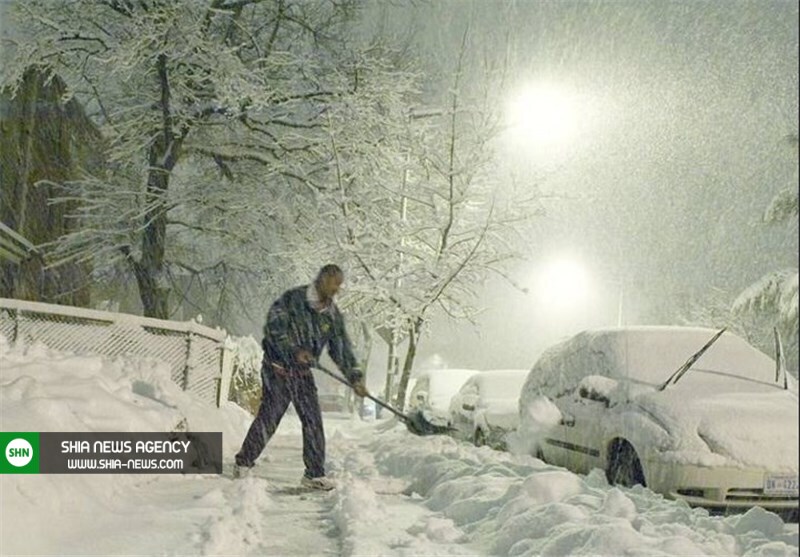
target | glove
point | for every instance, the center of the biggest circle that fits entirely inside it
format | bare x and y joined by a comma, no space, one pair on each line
360,389
303,357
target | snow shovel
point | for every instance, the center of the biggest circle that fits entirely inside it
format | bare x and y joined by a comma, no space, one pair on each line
416,422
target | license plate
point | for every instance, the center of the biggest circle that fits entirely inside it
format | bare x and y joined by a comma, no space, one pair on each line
785,484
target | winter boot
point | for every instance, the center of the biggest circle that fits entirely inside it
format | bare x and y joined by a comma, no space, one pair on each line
240,472
322,483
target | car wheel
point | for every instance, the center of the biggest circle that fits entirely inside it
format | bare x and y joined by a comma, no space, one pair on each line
479,439
624,467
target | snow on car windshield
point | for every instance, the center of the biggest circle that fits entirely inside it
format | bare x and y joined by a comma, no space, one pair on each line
652,354
503,384
648,355
444,383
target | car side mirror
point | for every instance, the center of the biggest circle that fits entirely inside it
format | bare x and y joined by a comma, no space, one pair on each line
590,394
598,388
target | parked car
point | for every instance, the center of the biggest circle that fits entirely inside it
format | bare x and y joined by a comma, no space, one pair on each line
433,390
485,409
715,425
368,409
332,402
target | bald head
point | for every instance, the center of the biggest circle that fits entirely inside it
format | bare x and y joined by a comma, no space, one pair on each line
328,281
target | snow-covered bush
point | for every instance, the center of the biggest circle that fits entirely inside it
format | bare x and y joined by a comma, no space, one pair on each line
246,378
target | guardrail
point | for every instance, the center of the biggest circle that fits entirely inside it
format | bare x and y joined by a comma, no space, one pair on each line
197,356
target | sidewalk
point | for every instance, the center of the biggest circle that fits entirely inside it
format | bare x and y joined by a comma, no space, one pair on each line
267,516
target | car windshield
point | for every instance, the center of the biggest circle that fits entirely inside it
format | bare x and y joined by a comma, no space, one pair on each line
650,356
500,385
443,384
678,373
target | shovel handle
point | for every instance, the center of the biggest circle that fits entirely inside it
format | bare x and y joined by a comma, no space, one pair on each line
377,401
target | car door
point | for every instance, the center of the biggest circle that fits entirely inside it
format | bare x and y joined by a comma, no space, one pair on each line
555,444
585,435
576,442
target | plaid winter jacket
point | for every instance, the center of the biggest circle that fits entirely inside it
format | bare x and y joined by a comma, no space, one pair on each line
293,324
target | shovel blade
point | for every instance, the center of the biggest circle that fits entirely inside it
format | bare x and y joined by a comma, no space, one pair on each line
418,425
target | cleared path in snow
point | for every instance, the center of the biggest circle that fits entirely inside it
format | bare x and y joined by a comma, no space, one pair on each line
266,514
368,514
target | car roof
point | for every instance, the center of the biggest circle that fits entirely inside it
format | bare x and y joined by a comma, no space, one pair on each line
445,371
499,383
648,354
443,384
442,378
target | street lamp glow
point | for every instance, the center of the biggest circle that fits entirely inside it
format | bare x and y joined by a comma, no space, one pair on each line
563,283
543,115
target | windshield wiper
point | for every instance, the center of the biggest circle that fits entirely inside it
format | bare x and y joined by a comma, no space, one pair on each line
780,360
690,362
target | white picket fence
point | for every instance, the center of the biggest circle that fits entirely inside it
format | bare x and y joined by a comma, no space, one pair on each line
196,354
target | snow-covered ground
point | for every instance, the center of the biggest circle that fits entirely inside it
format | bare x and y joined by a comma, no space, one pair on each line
398,494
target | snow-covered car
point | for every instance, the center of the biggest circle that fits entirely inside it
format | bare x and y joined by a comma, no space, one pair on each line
332,402
485,409
433,390
368,409
691,413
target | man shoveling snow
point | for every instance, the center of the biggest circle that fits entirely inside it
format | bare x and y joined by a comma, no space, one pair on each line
300,324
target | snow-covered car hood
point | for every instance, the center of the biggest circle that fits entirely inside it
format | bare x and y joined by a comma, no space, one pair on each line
743,429
502,414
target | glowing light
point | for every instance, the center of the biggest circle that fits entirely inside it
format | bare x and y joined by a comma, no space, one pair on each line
543,115
563,283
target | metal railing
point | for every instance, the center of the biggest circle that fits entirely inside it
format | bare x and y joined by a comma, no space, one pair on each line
197,355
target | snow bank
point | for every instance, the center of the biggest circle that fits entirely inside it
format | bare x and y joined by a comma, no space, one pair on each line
514,505
46,390
372,515
399,494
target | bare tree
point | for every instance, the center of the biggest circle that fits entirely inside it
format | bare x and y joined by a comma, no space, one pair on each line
427,225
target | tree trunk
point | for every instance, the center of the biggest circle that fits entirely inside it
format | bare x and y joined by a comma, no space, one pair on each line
391,366
154,287
411,353
150,271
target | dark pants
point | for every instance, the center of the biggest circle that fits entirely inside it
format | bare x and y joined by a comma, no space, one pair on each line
279,389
